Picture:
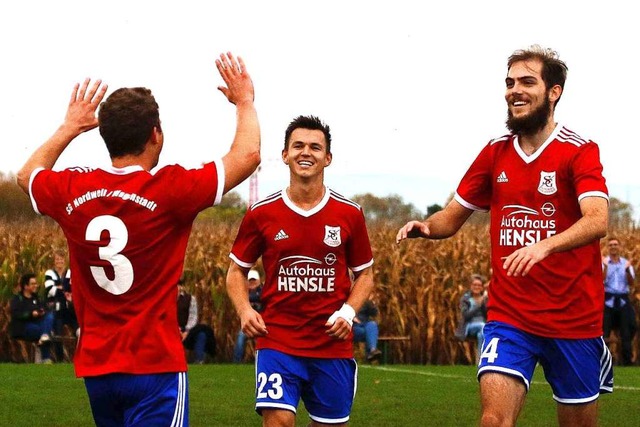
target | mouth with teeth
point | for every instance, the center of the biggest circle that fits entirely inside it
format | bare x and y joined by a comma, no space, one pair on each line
305,163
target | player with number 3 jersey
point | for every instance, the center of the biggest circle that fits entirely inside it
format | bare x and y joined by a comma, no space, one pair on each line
127,229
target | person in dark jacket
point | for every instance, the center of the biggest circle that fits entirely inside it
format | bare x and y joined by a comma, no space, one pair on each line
57,285
195,336
29,319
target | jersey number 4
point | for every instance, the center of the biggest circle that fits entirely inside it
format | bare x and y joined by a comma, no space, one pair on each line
118,237
491,351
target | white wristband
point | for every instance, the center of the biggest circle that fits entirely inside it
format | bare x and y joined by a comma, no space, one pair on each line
346,312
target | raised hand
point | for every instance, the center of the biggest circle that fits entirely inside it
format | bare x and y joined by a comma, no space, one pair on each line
81,112
239,87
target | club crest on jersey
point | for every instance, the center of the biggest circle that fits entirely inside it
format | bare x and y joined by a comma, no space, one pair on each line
547,184
332,236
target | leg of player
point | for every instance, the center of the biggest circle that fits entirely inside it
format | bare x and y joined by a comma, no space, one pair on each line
502,399
278,418
585,415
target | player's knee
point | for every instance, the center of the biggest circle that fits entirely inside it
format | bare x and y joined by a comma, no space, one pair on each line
277,418
492,418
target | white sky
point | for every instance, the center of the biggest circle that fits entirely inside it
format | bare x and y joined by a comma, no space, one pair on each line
412,91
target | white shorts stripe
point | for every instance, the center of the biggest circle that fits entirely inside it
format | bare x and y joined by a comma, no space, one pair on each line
178,414
500,369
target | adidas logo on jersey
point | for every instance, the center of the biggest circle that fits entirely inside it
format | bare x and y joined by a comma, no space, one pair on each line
502,177
281,235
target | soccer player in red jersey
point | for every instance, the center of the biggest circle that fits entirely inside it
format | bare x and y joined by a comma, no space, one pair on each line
127,229
544,188
310,238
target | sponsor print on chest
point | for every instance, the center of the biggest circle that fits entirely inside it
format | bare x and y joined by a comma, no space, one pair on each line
306,273
528,220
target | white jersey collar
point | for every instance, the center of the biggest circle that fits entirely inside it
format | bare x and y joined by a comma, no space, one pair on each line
287,201
125,170
528,159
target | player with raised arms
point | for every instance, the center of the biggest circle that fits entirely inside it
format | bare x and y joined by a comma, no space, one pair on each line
127,229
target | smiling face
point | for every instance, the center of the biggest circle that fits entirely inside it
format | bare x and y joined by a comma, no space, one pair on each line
529,101
59,262
306,153
614,247
477,287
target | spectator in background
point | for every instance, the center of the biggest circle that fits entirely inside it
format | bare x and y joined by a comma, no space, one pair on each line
57,284
196,337
618,310
365,329
473,311
255,293
29,319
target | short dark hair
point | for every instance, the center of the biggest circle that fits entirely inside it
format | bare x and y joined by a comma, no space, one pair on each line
311,123
554,71
126,120
25,279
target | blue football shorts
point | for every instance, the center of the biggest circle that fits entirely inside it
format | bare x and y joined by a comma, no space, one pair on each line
578,370
139,400
326,386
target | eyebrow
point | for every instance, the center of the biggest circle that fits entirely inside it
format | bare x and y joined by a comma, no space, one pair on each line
521,78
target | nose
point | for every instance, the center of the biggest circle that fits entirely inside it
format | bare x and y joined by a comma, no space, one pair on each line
517,88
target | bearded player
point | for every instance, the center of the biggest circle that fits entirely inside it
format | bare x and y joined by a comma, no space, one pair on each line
310,239
127,230
548,200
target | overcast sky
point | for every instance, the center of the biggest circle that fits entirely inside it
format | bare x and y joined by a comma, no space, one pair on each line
412,91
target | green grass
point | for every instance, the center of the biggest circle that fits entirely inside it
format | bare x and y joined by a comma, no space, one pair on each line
222,395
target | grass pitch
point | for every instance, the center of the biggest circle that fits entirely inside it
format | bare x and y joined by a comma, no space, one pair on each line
390,395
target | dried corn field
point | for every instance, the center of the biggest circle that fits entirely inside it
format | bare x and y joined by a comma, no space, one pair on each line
418,283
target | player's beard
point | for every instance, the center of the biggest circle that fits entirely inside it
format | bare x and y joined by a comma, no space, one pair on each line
532,122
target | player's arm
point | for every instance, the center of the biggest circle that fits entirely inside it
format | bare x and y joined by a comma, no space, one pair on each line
244,155
440,225
238,290
80,117
340,322
591,226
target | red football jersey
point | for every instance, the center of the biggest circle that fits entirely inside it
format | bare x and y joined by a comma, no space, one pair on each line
307,256
532,198
127,231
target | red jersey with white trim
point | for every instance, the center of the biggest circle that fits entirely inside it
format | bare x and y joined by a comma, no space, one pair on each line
532,198
127,231
307,256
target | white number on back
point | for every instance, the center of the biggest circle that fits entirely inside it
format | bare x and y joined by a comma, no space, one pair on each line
118,237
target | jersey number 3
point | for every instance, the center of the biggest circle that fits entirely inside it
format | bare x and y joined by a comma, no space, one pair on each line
118,237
